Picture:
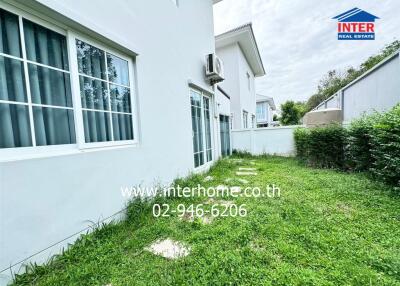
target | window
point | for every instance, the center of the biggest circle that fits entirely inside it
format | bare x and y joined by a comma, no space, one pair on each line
105,94
225,135
245,119
38,104
201,128
35,93
261,111
253,121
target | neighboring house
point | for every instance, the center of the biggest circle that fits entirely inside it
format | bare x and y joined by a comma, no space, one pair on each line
376,90
242,64
265,108
95,97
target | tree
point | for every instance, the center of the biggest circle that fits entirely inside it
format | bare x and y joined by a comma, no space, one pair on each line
275,117
292,112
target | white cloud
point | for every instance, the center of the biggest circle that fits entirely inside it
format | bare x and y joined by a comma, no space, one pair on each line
297,39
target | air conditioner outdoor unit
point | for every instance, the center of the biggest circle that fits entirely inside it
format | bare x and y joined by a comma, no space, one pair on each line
214,69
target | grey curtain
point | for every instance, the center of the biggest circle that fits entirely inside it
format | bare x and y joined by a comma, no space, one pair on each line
225,135
197,129
95,97
14,119
91,62
207,122
48,86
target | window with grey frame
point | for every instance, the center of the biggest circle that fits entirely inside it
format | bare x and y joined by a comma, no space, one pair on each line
201,128
35,93
36,97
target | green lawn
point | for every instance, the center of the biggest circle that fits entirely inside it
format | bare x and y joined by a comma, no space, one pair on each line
327,228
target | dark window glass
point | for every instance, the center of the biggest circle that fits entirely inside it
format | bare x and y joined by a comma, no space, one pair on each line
49,87
45,46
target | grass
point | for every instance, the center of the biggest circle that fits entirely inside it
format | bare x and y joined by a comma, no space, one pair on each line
326,228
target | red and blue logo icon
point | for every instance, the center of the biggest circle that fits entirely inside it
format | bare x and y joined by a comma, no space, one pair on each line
356,24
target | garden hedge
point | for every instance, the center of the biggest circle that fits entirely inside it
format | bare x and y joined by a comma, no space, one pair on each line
359,143
385,147
371,143
321,147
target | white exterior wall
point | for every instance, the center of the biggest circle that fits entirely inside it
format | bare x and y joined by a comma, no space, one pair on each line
223,104
270,114
247,96
334,102
379,90
45,200
231,84
269,140
235,84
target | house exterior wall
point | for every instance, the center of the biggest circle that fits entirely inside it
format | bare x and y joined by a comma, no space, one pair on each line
270,114
247,95
223,104
48,199
379,90
334,102
235,84
231,84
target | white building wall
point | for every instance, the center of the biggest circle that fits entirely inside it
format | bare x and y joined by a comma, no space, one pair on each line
48,199
223,104
235,84
334,102
378,91
247,95
270,114
231,84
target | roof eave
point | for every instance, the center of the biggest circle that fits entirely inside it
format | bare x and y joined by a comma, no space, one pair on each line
233,36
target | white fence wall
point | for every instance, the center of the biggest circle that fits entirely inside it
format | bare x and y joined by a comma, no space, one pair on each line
269,140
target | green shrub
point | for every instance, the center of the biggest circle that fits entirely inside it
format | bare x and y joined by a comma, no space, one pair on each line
359,143
326,146
371,143
301,136
386,147
321,147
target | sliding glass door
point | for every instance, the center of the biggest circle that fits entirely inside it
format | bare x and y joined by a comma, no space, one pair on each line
201,128
225,135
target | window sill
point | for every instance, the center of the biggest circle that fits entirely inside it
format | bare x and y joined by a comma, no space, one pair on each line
29,153
203,168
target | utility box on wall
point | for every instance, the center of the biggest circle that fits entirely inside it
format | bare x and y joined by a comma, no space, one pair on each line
323,117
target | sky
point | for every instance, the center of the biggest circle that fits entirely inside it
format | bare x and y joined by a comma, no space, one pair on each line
298,39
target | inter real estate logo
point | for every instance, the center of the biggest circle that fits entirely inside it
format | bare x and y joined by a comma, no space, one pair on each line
356,24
